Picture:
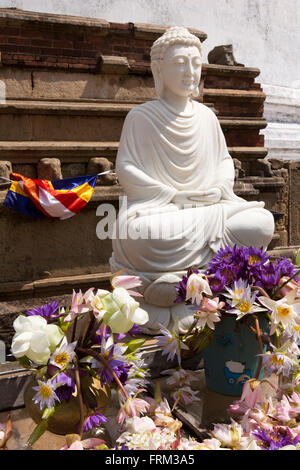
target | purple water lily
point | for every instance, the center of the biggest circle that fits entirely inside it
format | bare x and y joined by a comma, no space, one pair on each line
119,367
275,439
46,311
94,421
65,391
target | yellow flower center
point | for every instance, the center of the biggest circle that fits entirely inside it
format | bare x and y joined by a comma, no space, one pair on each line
284,311
61,358
277,361
237,292
46,392
253,259
244,307
297,328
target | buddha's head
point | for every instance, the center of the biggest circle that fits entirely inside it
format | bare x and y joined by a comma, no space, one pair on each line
176,61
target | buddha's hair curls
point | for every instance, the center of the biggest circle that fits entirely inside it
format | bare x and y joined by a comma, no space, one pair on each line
174,35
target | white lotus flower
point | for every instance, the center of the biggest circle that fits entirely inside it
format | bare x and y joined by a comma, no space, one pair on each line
284,311
137,424
122,311
34,338
230,435
239,289
196,286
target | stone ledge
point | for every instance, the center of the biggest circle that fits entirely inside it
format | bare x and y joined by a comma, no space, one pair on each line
42,287
32,152
233,95
16,14
115,65
153,31
214,69
265,183
70,151
102,108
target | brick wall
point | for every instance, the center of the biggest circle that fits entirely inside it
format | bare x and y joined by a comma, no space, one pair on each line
57,41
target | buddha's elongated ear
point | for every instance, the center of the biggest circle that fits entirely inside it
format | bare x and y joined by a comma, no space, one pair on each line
158,83
196,92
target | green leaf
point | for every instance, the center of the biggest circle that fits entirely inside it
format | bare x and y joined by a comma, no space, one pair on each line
298,258
37,432
63,325
48,412
134,345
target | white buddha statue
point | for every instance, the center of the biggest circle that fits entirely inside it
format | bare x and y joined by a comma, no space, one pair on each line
178,176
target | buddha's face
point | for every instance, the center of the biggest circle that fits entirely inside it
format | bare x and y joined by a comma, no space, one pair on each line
181,69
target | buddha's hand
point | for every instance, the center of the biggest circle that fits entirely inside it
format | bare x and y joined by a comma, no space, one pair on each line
193,198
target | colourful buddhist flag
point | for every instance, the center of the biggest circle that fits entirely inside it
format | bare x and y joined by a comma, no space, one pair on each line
58,199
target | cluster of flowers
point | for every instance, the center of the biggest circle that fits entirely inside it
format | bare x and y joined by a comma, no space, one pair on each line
83,349
243,282
65,347
267,417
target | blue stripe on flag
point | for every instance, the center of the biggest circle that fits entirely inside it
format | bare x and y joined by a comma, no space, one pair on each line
71,183
22,204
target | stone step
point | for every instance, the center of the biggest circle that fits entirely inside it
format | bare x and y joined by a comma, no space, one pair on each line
118,79
231,77
22,120
243,103
81,152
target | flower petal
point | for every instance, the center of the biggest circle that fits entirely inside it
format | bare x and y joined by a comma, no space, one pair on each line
140,316
118,323
21,344
55,335
39,342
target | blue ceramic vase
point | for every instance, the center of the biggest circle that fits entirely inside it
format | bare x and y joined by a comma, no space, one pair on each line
232,353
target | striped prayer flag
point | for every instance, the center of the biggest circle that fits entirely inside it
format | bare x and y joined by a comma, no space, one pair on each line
58,199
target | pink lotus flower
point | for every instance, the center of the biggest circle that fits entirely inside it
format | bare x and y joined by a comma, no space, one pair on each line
78,305
127,282
288,408
185,395
290,286
209,312
132,407
252,393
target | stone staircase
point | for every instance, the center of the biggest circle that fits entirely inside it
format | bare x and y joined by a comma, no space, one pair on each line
70,82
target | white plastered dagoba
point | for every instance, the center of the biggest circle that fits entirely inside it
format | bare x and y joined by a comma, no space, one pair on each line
178,177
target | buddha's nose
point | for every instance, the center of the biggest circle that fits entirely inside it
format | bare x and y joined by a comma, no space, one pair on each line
189,68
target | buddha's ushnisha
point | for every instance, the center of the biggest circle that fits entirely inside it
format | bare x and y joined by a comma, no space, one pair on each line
178,176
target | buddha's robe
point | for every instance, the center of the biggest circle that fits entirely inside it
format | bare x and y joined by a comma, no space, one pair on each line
161,153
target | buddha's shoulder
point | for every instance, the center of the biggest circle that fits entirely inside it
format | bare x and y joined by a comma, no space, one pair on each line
144,108
204,110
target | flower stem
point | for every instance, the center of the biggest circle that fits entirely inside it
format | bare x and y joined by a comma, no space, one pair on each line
260,346
100,358
190,330
78,385
74,329
261,290
86,323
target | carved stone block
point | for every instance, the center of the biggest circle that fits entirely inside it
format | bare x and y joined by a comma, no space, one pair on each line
222,55
5,170
49,169
98,165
